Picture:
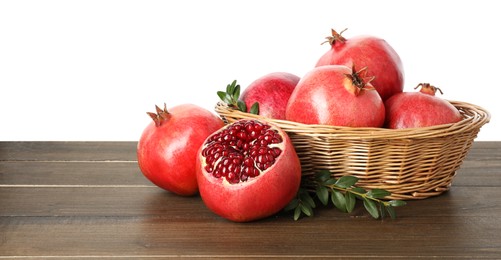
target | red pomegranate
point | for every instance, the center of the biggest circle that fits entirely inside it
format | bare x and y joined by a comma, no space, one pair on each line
419,109
168,147
248,170
271,91
374,53
336,95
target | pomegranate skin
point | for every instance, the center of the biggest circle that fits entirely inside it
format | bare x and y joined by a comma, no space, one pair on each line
272,92
368,51
417,109
166,153
258,197
326,96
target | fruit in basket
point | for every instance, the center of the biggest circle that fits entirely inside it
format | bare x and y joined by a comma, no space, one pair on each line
169,145
374,53
419,109
248,170
271,92
336,95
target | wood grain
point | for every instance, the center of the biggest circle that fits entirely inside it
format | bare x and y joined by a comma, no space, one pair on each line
89,200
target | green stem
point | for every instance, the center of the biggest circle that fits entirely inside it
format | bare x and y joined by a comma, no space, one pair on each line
334,187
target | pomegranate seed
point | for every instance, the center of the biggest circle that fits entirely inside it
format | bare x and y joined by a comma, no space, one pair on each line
249,127
248,162
237,161
242,135
255,173
231,168
258,126
241,151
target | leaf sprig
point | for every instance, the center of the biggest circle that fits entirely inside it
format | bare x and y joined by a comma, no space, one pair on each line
343,195
231,97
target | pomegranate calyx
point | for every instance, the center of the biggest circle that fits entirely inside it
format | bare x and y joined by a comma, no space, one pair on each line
428,89
160,116
359,82
336,37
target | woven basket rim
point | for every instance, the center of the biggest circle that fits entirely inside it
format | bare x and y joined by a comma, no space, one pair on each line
474,117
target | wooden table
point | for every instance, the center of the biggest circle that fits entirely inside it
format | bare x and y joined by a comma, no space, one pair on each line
89,200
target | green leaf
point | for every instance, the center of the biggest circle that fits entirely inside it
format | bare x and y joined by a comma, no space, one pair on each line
391,212
322,176
323,194
241,106
378,193
350,201
230,89
371,207
338,200
254,108
330,182
360,191
307,199
346,181
381,210
297,213
306,210
223,96
397,203
236,92
292,205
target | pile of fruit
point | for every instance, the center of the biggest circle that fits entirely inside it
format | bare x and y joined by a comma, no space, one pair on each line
249,169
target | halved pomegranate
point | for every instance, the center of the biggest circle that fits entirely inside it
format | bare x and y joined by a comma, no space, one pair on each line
248,170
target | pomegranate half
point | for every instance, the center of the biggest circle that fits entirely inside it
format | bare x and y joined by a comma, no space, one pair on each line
248,170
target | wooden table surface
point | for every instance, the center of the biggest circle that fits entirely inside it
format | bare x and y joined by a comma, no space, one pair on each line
89,200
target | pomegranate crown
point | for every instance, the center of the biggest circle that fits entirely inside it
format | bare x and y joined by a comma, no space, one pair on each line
429,89
360,82
160,116
335,37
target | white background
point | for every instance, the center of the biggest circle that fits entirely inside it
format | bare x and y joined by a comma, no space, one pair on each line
89,70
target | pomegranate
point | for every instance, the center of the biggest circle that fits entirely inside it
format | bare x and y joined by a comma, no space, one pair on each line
367,51
248,170
168,147
336,95
419,109
271,91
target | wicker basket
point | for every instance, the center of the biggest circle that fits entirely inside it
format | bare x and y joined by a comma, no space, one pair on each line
412,163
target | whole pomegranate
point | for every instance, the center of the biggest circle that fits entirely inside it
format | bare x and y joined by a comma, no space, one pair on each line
168,147
336,95
271,91
419,109
248,170
371,52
